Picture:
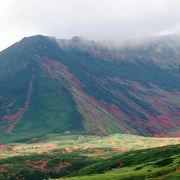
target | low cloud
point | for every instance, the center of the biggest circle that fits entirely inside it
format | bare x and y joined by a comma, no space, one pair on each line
102,20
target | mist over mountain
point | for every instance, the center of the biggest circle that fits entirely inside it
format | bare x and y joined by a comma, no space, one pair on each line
51,85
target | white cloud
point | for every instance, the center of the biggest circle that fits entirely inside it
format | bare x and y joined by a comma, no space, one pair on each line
107,20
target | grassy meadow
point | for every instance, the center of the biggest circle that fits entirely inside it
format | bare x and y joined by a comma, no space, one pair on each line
84,157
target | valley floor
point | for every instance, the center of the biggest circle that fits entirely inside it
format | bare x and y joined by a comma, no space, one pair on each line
91,157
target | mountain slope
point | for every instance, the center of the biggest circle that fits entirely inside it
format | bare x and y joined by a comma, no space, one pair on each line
31,101
53,86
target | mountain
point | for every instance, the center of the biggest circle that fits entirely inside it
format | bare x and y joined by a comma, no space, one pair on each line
51,85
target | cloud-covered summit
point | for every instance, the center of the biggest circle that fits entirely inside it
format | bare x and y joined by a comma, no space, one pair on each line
102,20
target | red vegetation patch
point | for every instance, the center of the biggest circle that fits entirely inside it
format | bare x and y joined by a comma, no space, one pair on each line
161,121
166,122
159,133
177,135
43,164
114,109
66,151
17,148
3,170
15,118
153,121
49,153
40,165
51,146
36,164
4,147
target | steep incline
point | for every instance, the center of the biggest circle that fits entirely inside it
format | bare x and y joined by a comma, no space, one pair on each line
52,86
31,102
134,83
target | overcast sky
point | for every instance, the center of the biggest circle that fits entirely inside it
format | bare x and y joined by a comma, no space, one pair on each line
103,20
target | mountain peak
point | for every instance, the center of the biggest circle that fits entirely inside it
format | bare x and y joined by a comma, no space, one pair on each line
80,85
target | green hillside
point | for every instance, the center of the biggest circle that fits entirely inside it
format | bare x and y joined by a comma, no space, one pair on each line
91,157
32,103
158,163
54,86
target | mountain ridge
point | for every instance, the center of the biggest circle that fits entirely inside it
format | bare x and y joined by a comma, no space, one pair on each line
121,93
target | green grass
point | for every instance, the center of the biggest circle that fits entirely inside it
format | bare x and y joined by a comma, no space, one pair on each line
91,157
143,164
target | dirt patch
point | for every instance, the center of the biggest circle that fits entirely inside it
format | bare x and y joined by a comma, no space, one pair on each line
119,150
50,146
